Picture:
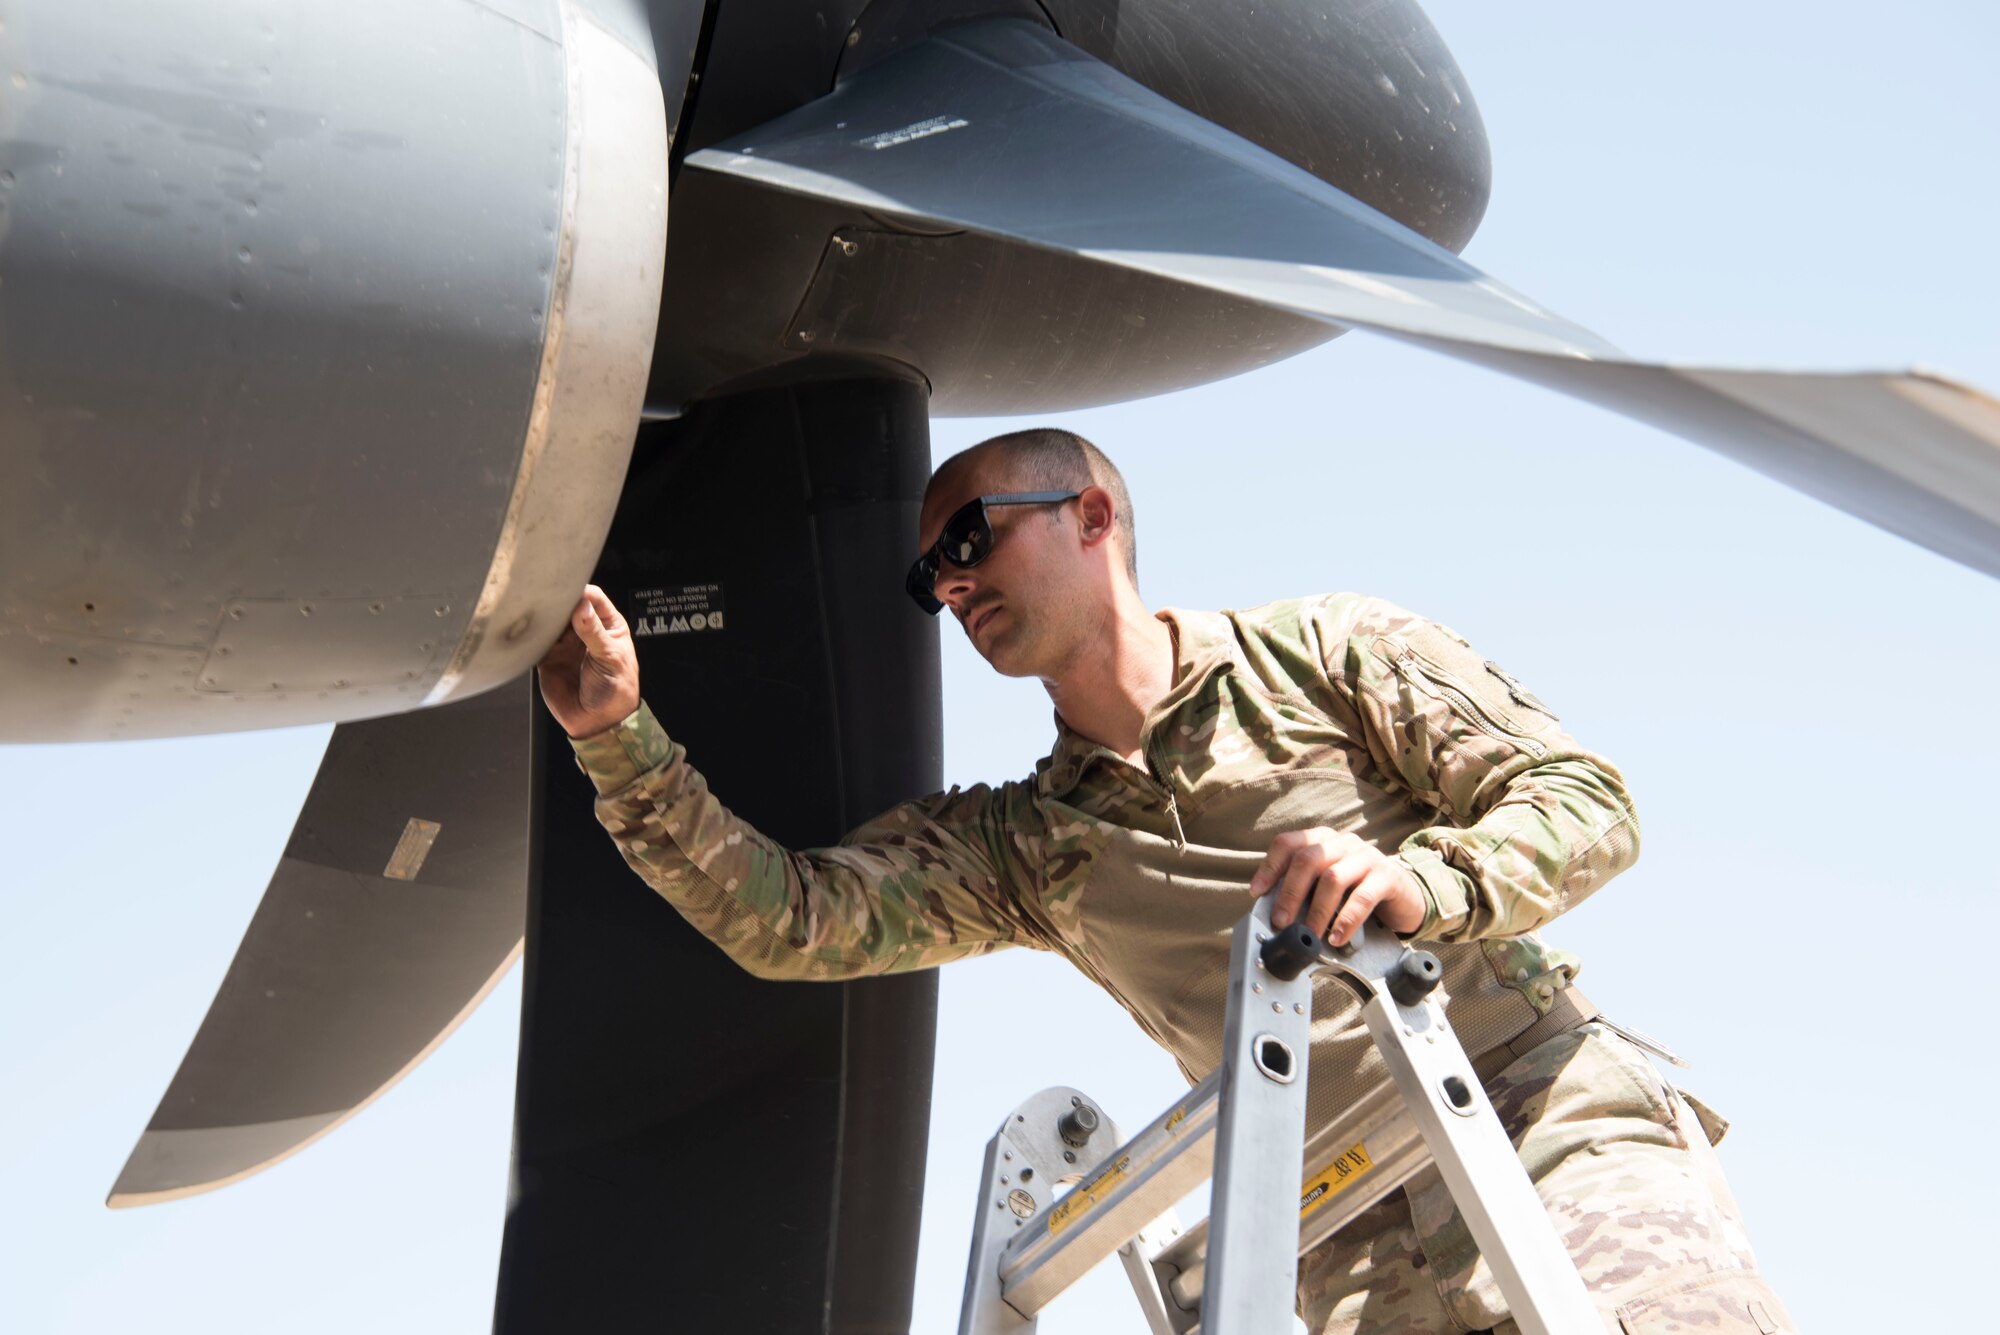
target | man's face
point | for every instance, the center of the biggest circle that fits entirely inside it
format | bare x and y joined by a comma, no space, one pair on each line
1018,604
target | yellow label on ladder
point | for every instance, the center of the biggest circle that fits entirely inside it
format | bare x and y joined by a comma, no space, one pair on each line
1080,1199
1347,1168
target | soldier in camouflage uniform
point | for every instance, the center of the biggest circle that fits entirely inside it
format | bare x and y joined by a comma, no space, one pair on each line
1345,755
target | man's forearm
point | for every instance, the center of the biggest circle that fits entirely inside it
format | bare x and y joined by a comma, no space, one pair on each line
1562,829
1529,822
912,889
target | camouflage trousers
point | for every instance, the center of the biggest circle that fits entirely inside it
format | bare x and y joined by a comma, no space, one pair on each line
1627,1173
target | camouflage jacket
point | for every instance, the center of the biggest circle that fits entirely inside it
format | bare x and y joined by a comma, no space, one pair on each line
1338,711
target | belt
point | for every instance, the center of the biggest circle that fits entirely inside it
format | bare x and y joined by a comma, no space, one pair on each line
1569,1009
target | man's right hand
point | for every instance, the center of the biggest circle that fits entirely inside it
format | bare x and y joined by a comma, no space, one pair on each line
590,677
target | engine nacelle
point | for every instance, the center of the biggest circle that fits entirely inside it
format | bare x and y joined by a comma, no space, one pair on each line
322,348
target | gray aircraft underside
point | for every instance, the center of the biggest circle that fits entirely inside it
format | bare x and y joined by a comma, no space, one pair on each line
324,348
324,339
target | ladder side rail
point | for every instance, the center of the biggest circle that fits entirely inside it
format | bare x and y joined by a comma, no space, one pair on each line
1235,1273
1039,1146
1138,1257
1259,1145
980,1310
1507,1219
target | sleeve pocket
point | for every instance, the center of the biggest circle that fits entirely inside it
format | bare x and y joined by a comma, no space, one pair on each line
1437,664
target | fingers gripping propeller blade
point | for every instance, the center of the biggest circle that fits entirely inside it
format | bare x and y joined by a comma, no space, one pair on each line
1000,127
398,905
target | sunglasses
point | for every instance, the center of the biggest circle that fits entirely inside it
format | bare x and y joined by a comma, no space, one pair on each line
967,539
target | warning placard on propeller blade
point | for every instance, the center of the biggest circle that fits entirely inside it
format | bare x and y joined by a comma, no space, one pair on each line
677,611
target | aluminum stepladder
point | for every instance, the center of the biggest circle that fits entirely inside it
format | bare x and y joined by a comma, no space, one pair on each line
1234,1273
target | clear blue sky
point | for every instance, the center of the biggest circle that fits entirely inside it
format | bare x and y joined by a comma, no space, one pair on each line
1799,701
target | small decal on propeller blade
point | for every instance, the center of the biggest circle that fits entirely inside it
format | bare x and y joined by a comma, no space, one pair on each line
922,129
691,607
412,849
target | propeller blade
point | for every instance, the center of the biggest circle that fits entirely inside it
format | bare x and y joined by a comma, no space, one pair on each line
1002,128
398,905
696,1148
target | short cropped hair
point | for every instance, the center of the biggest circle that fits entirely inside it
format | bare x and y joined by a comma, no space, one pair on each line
1048,458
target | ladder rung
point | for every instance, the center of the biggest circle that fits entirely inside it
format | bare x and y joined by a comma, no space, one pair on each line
1339,1187
1137,1184
1240,1123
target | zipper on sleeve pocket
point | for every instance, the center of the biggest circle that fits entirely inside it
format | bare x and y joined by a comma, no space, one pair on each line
1413,668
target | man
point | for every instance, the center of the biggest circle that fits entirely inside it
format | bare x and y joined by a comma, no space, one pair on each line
1344,755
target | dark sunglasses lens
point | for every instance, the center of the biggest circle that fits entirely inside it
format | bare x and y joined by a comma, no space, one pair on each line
967,537
919,583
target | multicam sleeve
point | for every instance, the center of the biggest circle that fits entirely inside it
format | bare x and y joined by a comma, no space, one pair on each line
924,883
1532,823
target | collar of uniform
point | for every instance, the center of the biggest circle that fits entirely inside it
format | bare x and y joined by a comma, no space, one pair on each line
1203,644
1203,641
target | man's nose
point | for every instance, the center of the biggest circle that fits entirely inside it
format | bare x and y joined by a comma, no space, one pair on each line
954,586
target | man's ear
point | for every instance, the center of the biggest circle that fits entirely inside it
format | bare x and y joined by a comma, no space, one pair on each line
1096,515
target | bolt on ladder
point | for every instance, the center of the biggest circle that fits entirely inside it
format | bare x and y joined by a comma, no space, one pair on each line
1235,1272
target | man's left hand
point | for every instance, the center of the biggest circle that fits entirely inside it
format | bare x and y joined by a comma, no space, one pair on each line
1332,867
